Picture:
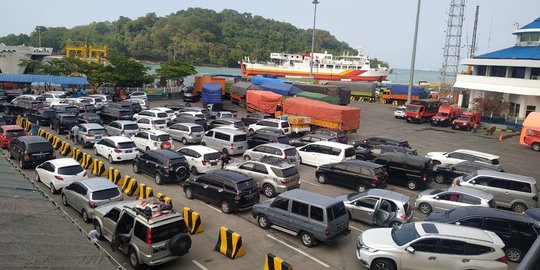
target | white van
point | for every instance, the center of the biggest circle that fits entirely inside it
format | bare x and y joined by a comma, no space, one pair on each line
226,140
324,152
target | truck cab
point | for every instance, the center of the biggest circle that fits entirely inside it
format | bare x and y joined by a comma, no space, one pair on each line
445,116
421,110
466,121
533,139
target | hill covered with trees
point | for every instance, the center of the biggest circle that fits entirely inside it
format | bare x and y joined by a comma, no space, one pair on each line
196,36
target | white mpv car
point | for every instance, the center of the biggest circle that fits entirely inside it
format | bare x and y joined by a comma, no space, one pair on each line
59,173
116,148
428,245
460,155
153,139
201,159
323,152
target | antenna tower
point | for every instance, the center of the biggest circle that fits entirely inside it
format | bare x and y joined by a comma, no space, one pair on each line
452,44
473,45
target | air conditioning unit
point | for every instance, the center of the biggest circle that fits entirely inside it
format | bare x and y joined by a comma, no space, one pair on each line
535,77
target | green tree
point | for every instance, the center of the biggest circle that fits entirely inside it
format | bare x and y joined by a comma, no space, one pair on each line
175,70
128,73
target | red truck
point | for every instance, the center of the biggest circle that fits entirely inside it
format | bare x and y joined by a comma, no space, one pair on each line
467,120
445,116
422,110
533,139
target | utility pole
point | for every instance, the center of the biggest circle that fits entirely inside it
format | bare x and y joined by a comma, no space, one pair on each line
473,45
413,58
39,35
315,2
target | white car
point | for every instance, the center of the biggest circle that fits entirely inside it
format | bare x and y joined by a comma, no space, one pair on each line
152,114
116,148
74,101
104,98
96,101
53,97
194,114
152,140
272,123
201,159
138,94
169,112
460,155
59,173
427,245
399,112
151,123
142,102
324,152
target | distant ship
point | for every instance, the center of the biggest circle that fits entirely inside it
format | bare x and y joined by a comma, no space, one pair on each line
325,67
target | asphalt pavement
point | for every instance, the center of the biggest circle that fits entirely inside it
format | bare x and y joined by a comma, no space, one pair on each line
376,119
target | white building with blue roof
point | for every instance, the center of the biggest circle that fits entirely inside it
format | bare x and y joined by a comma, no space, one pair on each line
511,74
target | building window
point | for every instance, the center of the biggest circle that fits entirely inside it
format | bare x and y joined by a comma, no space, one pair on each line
525,37
481,70
535,73
535,37
513,109
498,71
518,72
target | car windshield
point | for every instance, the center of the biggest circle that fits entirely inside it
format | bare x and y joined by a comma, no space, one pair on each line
349,152
72,109
177,160
283,139
470,176
131,127
40,147
137,94
247,185
335,211
456,214
96,131
70,170
126,145
413,108
162,115
464,118
49,114
404,234
285,172
239,125
291,152
15,133
200,115
212,156
199,121
167,231
240,138
436,191
285,124
69,118
354,196
159,122
197,129
105,194
92,117
161,138
442,114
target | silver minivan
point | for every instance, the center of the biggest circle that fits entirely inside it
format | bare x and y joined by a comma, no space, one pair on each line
226,140
280,150
122,128
510,190
186,132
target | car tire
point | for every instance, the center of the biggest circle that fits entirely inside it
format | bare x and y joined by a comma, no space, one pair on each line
394,224
382,264
21,164
439,178
99,231
425,208
536,147
453,127
10,155
519,207
133,259
203,143
111,160
435,163
514,255
307,239
136,168
321,179
184,141
85,217
225,207
182,173
251,130
361,188
246,157
158,179
194,170
263,222
269,191
96,152
64,200
412,185
180,244
53,190
38,179
189,193
147,149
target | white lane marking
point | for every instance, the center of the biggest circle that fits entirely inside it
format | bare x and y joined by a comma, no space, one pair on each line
212,207
307,182
199,265
299,251
352,227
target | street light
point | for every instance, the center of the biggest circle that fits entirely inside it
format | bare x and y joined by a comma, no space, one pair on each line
315,2
413,58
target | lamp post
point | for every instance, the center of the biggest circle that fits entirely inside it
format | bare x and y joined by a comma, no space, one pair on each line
315,2
413,59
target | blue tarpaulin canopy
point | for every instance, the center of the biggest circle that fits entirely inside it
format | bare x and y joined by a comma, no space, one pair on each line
260,80
211,93
281,88
48,79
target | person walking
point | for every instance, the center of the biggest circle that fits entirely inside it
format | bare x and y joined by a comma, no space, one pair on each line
456,183
224,159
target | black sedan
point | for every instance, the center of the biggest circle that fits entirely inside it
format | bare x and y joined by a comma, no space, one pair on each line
88,117
307,139
356,174
445,173
371,153
252,118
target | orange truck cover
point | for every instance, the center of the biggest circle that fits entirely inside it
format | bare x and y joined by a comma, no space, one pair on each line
200,80
348,117
532,121
263,101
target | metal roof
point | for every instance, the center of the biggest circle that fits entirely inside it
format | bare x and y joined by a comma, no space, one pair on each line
516,52
534,24
50,79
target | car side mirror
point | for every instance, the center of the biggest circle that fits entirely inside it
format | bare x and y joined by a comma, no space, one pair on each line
410,249
457,223
473,182
436,197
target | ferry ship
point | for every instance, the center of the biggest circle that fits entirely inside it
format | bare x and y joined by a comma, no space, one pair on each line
325,67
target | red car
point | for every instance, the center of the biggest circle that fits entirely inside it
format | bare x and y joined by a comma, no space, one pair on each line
8,133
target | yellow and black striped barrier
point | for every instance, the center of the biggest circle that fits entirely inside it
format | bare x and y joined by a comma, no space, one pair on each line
50,137
114,176
193,221
143,191
57,143
128,185
18,121
65,149
77,154
42,133
164,198
274,262
229,244
98,168
27,125
87,161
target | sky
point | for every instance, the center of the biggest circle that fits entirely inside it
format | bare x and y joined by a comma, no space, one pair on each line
380,28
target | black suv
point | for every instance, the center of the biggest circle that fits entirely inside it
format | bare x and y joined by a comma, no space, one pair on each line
339,135
88,117
83,107
516,230
163,165
252,118
183,118
266,135
414,172
230,190
226,122
30,150
63,122
376,140
113,113
133,107
356,174
445,173
65,108
42,117
371,153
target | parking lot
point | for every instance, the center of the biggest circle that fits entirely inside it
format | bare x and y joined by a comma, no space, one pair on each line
376,119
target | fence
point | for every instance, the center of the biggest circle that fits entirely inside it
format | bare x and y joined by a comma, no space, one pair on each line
511,124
